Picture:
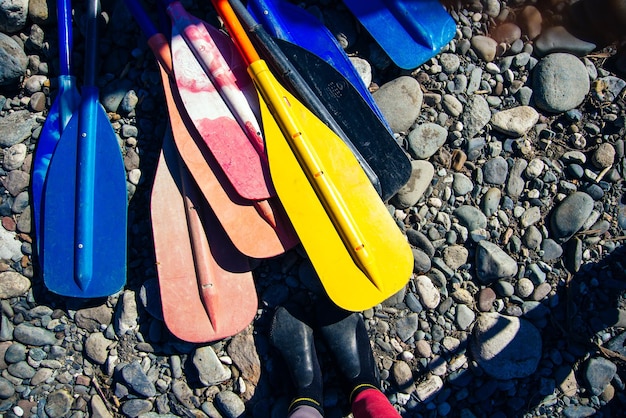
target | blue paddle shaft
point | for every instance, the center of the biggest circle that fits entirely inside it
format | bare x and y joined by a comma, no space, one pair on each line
91,42
86,186
142,19
64,16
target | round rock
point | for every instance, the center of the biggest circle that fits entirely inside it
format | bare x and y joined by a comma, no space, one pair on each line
400,101
560,82
570,215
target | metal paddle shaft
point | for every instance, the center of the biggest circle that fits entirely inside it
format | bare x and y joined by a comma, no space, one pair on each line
207,288
409,31
64,105
358,251
85,207
284,20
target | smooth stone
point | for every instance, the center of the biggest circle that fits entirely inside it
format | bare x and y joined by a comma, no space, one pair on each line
491,201
464,317
603,156
22,370
558,39
455,256
461,184
229,404
211,371
531,216
31,335
598,374
495,171
16,182
422,173
578,411
13,284
242,350
426,139
429,295
486,299
137,380
476,115
458,84
485,47
535,168
16,127
15,353
136,407
530,20
407,326
363,68
58,403
14,60
541,291
492,263
524,288
532,237
452,105
96,347
470,217
570,215
403,376
14,156
515,184
506,33
505,347
516,121
560,82
94,318
7,389
449,62
428,389
421,261
421,241
400,102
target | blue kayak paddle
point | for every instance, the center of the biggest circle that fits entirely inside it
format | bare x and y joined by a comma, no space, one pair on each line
292,23
409,31
85,202
66,102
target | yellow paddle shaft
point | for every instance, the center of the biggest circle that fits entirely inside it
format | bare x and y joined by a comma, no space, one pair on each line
309,160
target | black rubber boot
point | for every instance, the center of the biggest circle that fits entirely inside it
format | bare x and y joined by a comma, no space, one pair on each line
346,337
294,339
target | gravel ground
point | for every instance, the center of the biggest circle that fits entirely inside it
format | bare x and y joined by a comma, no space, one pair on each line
515,214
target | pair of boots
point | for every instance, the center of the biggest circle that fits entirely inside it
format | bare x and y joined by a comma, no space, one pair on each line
346,337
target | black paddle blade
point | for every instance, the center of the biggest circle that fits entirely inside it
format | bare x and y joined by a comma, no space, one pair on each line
355,117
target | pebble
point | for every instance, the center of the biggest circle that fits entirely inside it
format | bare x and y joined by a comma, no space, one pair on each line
229,404
514,351
516,121
598,374
476,115
560,82
492,263
570,215
426,139
400,102
427,292
495,171
559,39
485,47
422,173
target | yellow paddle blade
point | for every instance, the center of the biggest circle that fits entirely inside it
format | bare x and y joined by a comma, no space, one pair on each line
358,251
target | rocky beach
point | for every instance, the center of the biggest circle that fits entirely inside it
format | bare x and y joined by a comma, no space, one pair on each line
514,212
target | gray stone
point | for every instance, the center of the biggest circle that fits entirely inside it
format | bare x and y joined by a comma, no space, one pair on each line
495,171
58,403
13,15
137,380
516,121
560,82
210,370
464,317
96,347
515,184
400,101
492,263
133,408
470,217
407,326
475,116
570,215
558,39
422,173
16,127
31,335
505,347
13,284
426,139
229,404
598,374
491,201
461,184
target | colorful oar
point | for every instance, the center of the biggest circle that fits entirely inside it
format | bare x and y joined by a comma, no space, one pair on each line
244,221
207,288
284,20
85,203
340,106
216,91
358,251
63,107
409,31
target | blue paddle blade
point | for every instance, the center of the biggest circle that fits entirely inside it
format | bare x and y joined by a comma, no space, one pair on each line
291,23
409,31
85,208
60,113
